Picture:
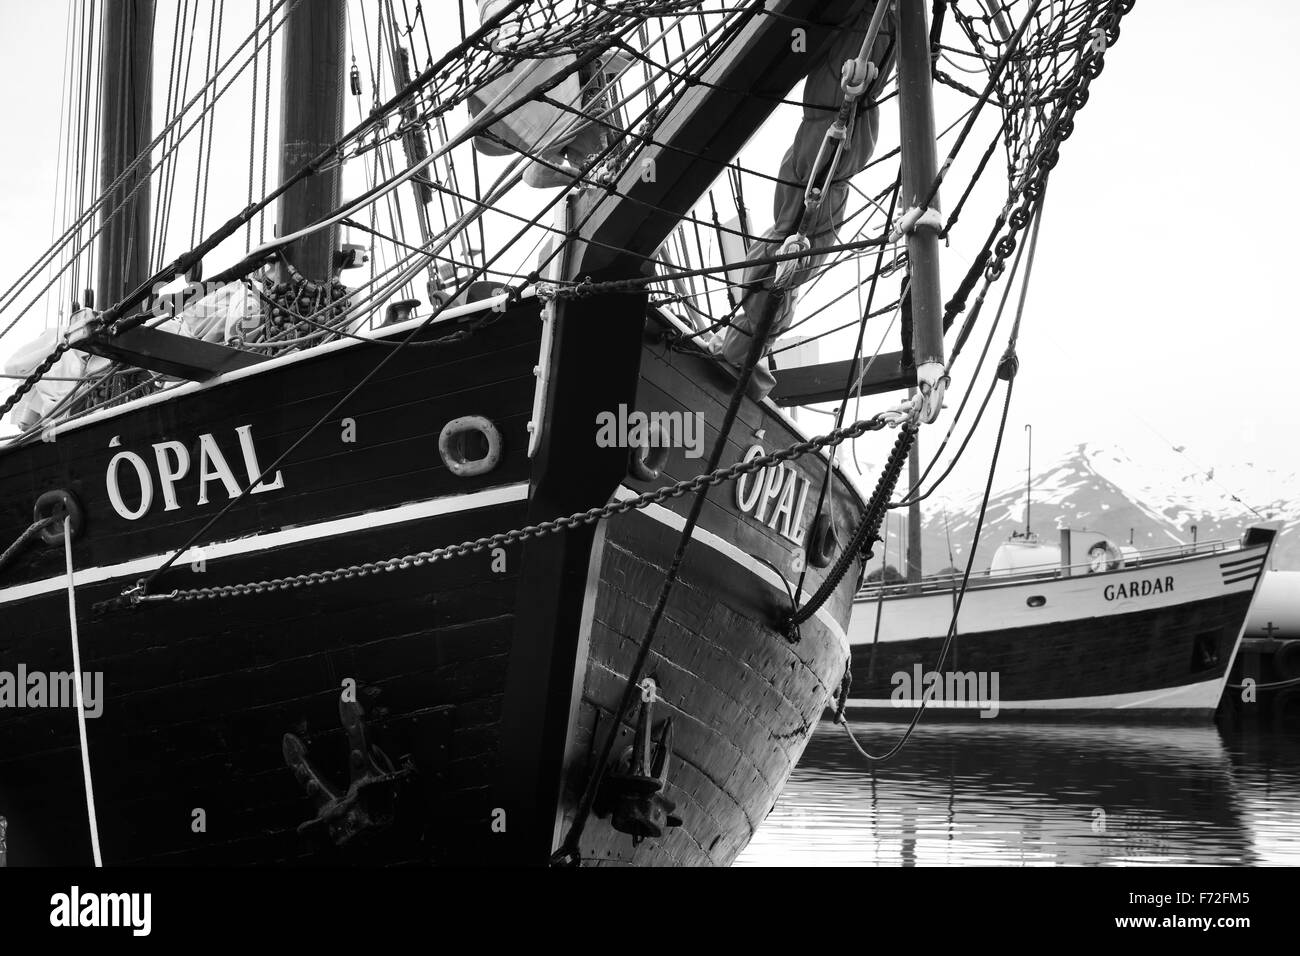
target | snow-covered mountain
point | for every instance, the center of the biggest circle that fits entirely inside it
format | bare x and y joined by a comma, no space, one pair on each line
1153,501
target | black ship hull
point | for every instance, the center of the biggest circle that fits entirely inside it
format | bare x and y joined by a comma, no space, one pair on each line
187,755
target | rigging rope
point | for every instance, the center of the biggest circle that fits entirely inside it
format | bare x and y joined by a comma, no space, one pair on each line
34,529
1008,367
457,336
852,375
144,289
7,297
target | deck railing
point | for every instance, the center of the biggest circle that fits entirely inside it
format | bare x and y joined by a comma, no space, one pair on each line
1043,572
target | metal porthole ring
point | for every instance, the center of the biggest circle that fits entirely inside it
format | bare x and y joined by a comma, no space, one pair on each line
822,540
451,446
648,458
58,504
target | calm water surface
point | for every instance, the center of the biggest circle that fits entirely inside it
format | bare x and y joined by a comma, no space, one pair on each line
994,792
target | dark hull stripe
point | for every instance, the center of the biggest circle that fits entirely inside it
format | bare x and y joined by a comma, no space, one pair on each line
1255,565
1248,576
1225,565
1141,651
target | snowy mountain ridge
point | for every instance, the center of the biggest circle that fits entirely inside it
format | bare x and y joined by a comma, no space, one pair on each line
1154,502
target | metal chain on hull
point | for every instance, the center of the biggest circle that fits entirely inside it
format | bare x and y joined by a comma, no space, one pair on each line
590,516
868,529
31,380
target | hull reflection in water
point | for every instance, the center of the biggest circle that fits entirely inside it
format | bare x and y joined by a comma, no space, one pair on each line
1038,794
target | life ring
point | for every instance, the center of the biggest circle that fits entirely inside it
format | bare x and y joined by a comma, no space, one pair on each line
1103,556
58,505
823,542
454,447
647,459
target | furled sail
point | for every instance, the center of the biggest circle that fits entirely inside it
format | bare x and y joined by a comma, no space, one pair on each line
823,94
556,137
48,395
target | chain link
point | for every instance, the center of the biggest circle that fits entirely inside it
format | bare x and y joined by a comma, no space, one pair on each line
136,595
1034,179
30,382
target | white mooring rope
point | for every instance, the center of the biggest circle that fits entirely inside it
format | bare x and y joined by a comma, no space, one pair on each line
81,700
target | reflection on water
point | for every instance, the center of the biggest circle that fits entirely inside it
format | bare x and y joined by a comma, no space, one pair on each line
994,792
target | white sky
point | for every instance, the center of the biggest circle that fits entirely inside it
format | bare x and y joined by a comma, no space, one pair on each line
1162,301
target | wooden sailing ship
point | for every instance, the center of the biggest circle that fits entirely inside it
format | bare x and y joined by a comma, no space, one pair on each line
339,607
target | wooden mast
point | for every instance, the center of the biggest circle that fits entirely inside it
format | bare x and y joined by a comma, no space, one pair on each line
125,128
311,120
919,168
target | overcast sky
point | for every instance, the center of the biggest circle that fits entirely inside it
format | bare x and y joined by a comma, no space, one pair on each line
1162,305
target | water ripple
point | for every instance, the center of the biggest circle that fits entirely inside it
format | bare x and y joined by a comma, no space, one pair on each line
1000,793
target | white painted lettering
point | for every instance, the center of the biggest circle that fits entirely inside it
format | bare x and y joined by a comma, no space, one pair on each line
142,476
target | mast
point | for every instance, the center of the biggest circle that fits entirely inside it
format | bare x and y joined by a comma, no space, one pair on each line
311,120
125,128
919,168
